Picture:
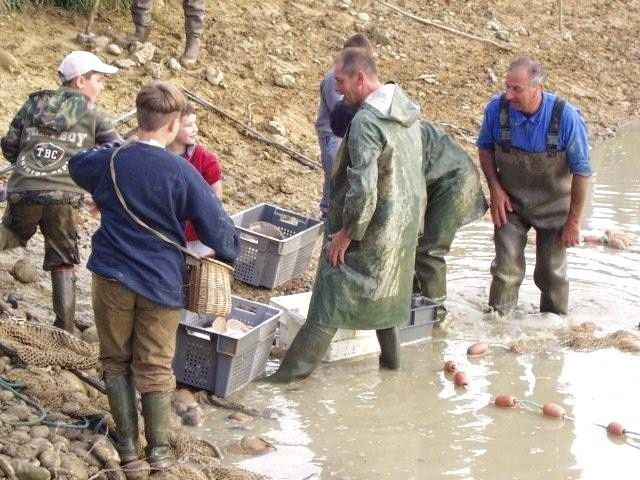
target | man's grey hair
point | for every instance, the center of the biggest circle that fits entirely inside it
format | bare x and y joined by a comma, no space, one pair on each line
535,72
354,60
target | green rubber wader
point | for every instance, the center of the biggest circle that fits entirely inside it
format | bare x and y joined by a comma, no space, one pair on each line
122,403
305,353
454,199
156,410
539,186
389,348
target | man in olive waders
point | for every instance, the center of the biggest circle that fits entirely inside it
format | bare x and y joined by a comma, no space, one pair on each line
533,151
377,195
454,199
194,11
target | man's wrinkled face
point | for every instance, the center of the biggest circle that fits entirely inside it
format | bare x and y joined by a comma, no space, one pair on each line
350,86
520,93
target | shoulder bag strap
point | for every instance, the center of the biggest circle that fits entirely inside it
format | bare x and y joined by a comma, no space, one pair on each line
134,217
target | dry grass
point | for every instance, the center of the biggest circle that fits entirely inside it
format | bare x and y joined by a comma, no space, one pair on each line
83,6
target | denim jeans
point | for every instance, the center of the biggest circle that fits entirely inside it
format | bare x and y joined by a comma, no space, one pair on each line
328,148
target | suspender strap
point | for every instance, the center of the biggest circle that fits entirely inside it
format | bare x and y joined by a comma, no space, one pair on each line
554,127
505,129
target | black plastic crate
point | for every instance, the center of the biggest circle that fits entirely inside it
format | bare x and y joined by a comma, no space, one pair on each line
220,363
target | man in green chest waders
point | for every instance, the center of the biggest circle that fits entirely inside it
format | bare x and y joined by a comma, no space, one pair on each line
533,151
365,274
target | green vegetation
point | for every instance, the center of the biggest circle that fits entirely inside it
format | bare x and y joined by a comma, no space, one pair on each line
75,5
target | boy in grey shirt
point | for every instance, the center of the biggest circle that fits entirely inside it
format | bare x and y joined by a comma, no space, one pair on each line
329,143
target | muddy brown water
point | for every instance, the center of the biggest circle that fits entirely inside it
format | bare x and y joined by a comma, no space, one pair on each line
352,421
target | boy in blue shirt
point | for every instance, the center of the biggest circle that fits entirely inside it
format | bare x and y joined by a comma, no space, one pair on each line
138,278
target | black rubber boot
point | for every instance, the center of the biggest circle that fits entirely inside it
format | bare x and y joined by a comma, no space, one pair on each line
304,354
156,410
189,57
141,14
389,348
122,402
140,34
63,286
194,16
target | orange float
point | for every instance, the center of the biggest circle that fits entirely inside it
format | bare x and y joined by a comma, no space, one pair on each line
616,429
477,349
552,410
450,366
505,401
461,379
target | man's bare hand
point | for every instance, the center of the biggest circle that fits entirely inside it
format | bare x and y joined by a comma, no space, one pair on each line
337,248
570,235
500,205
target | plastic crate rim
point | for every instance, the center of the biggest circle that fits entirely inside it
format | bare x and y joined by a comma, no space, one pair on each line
266,237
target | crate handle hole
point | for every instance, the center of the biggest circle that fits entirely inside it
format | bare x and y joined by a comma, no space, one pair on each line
289,219
249,239
198,333
245,308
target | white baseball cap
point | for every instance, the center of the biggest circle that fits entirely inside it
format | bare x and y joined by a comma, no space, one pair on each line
80,62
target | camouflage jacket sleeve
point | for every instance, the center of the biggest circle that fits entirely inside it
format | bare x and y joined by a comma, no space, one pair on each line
105,130
10,143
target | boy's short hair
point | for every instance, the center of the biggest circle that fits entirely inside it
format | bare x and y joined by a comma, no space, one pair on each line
71,83
156,103
189,109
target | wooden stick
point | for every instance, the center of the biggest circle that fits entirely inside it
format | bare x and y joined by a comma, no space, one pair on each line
229,405
129,133
92,16
89,380
463,132
9,350
213,447
431,23
247,130
125,117
560,15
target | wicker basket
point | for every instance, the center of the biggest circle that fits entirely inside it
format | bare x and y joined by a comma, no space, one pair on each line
209,289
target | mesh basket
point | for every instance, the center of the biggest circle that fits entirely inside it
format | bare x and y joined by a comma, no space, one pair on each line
209,289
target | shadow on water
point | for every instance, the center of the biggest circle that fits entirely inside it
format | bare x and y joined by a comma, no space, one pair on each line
352,421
